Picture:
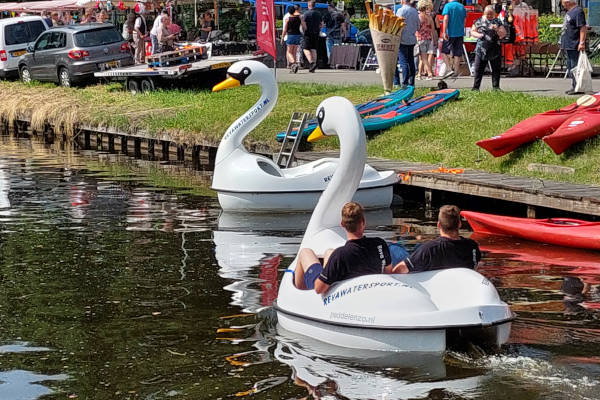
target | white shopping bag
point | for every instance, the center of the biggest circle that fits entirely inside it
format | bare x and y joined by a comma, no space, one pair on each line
583,74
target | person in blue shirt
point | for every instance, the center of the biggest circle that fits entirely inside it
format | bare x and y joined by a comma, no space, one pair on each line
572,39
453,31
408,40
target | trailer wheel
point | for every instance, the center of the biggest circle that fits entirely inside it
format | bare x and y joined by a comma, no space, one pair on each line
147,85
133,86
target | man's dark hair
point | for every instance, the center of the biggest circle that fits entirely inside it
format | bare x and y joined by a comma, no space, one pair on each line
291,9
449,218
353,215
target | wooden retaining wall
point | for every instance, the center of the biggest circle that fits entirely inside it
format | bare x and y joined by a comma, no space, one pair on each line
532,192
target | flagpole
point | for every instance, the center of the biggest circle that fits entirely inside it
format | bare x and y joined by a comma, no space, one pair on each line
275,45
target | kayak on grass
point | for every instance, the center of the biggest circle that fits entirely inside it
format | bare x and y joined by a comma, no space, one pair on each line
536,127
560,231
365,108
579,127
408,110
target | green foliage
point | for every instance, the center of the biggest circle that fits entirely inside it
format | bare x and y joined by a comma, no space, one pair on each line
358,5
360,23
547,34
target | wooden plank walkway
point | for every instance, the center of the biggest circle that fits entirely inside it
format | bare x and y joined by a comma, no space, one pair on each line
571,197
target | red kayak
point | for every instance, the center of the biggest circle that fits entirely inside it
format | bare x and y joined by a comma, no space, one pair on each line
536,127
560,231
579,127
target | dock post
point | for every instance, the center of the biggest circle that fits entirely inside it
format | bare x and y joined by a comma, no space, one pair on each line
530,211
181,153
124,144
212,157
137,148
165,150
111,143
428,203
86,140
196,157
151,155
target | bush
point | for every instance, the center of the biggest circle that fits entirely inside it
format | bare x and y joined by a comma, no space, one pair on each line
547,34
360,23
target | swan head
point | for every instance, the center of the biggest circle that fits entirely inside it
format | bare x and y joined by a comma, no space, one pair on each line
248,72
330,114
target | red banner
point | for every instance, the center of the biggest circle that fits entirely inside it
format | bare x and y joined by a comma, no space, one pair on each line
265,26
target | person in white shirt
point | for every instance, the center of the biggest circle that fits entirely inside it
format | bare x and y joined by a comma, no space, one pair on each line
156,27
140,31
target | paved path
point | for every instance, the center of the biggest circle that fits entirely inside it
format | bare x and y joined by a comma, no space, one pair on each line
554,86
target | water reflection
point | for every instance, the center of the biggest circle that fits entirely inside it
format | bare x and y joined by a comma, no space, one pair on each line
149,293
25,385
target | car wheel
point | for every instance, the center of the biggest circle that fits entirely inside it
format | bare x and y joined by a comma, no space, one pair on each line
133,86
64,78
25,74
147,85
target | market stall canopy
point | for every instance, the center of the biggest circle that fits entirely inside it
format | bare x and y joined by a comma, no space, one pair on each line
53,5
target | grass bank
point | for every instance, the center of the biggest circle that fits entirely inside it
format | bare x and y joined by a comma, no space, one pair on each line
445,137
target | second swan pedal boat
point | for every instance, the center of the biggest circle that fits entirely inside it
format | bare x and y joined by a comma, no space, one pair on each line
251,182
412,312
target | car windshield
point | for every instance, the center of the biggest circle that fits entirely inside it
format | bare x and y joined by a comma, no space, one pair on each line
97,37
22,32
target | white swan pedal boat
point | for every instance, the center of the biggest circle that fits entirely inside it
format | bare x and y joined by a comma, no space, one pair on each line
412,312
251,182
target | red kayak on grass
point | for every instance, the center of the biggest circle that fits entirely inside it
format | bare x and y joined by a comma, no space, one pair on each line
560,231
536,127
583,125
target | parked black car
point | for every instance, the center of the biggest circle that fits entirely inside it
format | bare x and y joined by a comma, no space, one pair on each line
72,53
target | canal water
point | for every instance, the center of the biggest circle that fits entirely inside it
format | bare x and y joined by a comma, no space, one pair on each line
115,287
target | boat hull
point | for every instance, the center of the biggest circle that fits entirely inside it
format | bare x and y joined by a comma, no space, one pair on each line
430,341
370,311
560,231
282,202
364,109
401,113
579,127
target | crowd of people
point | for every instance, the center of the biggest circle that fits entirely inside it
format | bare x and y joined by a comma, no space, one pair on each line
306,28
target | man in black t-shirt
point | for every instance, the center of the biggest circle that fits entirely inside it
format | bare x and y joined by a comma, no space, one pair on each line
311,24
450,250
572,39
359,256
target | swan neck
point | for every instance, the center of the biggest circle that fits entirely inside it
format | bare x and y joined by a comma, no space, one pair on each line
237,132
345,180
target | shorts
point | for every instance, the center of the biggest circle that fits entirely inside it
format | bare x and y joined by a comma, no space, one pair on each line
311,275
293,40
310,41
426,46
454,46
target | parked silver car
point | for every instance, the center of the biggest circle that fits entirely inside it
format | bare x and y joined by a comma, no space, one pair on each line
71,54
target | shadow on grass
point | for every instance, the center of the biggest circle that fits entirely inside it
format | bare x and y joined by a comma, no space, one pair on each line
578,149
515,156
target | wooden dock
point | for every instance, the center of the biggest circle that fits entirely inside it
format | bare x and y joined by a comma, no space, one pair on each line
532,192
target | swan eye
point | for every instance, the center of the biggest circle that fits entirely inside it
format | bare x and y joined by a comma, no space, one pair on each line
321,115
246,71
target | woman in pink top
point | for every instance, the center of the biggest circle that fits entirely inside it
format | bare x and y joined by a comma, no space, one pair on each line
425,39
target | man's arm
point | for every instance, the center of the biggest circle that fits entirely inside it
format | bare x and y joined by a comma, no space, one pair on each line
400,268
445,27
582,33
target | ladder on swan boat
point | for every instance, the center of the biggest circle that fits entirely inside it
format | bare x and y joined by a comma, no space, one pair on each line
292,139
